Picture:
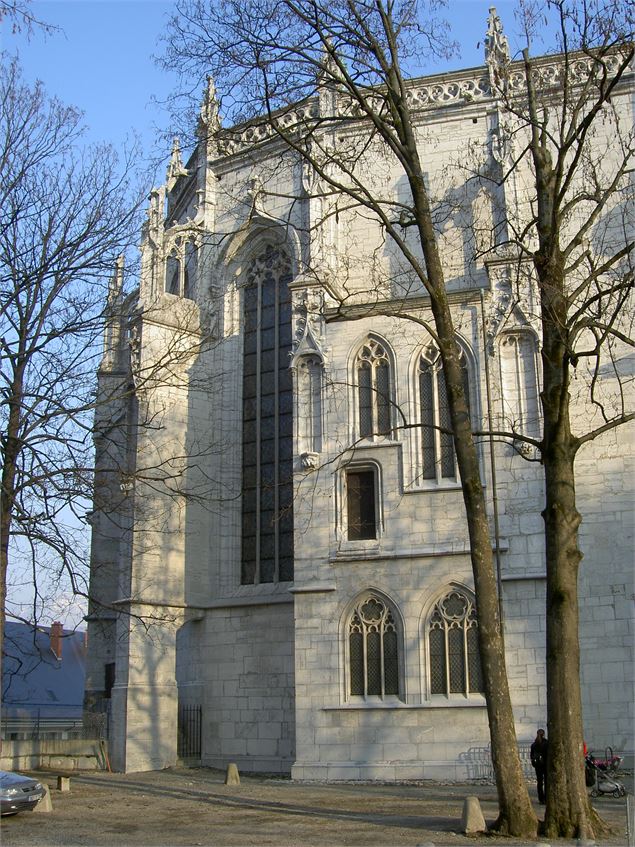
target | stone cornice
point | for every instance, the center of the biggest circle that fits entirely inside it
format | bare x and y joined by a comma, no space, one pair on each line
450,89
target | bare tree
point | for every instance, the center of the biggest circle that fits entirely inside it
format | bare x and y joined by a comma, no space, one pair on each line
19,13
351,59
66,213
563,126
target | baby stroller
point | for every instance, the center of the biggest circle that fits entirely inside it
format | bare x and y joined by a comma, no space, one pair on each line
601,774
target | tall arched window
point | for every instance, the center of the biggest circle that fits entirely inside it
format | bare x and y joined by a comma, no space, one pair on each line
173,274
372,368
181,268
519,380
455,664
438,457
373,643
267,495
189,270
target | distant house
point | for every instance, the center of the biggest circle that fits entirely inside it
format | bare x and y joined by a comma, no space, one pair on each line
43,672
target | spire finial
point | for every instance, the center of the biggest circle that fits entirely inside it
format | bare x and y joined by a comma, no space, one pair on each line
496,50
175,167
116,281
210,118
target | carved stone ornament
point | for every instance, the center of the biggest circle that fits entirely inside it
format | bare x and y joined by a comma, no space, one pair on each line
501,145
310,461
497,308
255,192
430,353
510,304
209,315
310,178
175,166
134,342
308,308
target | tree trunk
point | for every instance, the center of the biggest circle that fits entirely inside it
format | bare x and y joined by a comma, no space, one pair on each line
12,449
569,813
516,815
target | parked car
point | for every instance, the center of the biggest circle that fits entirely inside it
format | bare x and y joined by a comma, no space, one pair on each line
19,793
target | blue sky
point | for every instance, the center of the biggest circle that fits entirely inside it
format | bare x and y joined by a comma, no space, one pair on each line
101,59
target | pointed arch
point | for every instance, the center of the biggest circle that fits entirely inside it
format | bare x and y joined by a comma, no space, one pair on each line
252,238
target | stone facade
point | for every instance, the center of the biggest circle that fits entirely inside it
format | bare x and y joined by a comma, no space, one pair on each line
243,446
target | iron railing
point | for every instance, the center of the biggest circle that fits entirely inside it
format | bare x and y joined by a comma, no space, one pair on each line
189,732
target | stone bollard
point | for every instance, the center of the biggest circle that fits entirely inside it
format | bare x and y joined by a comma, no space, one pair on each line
472,820
63,783
232,777
45,804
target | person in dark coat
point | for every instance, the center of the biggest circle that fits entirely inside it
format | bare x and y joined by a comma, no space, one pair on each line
538,756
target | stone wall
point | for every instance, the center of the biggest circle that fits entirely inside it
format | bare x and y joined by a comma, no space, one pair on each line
55,754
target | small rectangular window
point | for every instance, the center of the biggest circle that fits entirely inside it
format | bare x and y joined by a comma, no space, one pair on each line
362,521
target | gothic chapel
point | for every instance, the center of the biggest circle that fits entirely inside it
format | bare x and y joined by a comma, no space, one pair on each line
280,570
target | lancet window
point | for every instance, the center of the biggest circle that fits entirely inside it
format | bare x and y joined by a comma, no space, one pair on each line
374,386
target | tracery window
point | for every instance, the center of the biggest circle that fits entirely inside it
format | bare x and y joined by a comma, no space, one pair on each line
373,389
267,459
374,644
455,664
437,445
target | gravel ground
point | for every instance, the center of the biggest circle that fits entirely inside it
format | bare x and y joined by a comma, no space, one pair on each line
194,807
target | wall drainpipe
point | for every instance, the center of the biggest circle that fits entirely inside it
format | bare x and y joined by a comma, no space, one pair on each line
492,458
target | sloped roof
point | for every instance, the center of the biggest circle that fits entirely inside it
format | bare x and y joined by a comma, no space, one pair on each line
34,680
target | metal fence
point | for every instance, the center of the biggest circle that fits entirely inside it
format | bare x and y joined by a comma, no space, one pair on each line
189,732
38,728
478,761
